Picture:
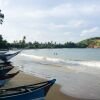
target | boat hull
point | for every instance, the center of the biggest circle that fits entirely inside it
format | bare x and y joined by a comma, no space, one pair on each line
37,93
5,78
28,96
4,70
2,82
6,57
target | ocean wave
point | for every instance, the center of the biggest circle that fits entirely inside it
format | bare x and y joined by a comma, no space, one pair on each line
62,62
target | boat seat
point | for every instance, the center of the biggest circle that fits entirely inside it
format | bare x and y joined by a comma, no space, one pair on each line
2,91
28,89
22,89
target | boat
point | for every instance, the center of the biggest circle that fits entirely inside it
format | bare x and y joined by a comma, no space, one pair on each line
6,57
29,92
5,78
3,52
8,63
5,69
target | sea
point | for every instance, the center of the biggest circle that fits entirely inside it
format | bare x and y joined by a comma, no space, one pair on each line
77,71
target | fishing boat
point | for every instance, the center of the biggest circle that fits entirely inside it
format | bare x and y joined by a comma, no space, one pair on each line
29,92
6,57
8,63
5,64
3,52
5,78
5,69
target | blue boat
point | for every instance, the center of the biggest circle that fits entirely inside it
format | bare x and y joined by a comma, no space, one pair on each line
5,57
5,78
30,92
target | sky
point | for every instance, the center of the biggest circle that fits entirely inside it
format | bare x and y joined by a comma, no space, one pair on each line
50,20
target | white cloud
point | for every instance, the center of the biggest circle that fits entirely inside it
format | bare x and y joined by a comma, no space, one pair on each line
89,31
69,25
57,19
67,33
3,3
67,10
54,26
90,9
63,10
76,23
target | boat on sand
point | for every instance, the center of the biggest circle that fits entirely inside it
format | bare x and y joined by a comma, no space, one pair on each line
29,92
5,57
5,69
5,78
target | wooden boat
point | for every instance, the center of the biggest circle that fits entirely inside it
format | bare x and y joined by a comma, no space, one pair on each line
3,52
30,92
5,69
6,77
8,63
6,57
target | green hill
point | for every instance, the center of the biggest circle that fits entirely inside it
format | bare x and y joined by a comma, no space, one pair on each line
91,42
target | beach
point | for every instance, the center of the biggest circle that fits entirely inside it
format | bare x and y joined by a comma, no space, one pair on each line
75,78
25,79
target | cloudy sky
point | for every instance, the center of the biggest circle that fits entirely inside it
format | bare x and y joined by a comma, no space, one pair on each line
50,20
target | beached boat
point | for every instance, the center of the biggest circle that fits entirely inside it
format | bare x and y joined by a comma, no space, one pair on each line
30,92
6,77
3,52
5,69
5,64
8,63
6,57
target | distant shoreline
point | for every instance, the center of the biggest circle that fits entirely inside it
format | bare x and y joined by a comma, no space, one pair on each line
22,44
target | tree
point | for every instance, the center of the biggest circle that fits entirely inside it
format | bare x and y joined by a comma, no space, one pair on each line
1,38
24,38
23,41
1,17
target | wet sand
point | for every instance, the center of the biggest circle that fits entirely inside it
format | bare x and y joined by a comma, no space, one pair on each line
25,79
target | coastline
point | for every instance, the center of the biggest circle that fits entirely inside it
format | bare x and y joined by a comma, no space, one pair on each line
25,79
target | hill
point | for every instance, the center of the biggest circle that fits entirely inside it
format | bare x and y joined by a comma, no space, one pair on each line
91,42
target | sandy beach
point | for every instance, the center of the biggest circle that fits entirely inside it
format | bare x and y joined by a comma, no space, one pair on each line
25,79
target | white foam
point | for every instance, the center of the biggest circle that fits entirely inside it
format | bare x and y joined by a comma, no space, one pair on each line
33,56
59,61
91,63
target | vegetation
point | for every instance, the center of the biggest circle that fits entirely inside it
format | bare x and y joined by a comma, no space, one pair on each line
3,43
35,44
92,42
21,44
1,17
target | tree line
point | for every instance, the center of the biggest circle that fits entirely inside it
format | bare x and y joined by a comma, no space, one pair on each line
22,44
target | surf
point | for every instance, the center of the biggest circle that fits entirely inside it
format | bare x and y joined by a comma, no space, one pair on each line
76,77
